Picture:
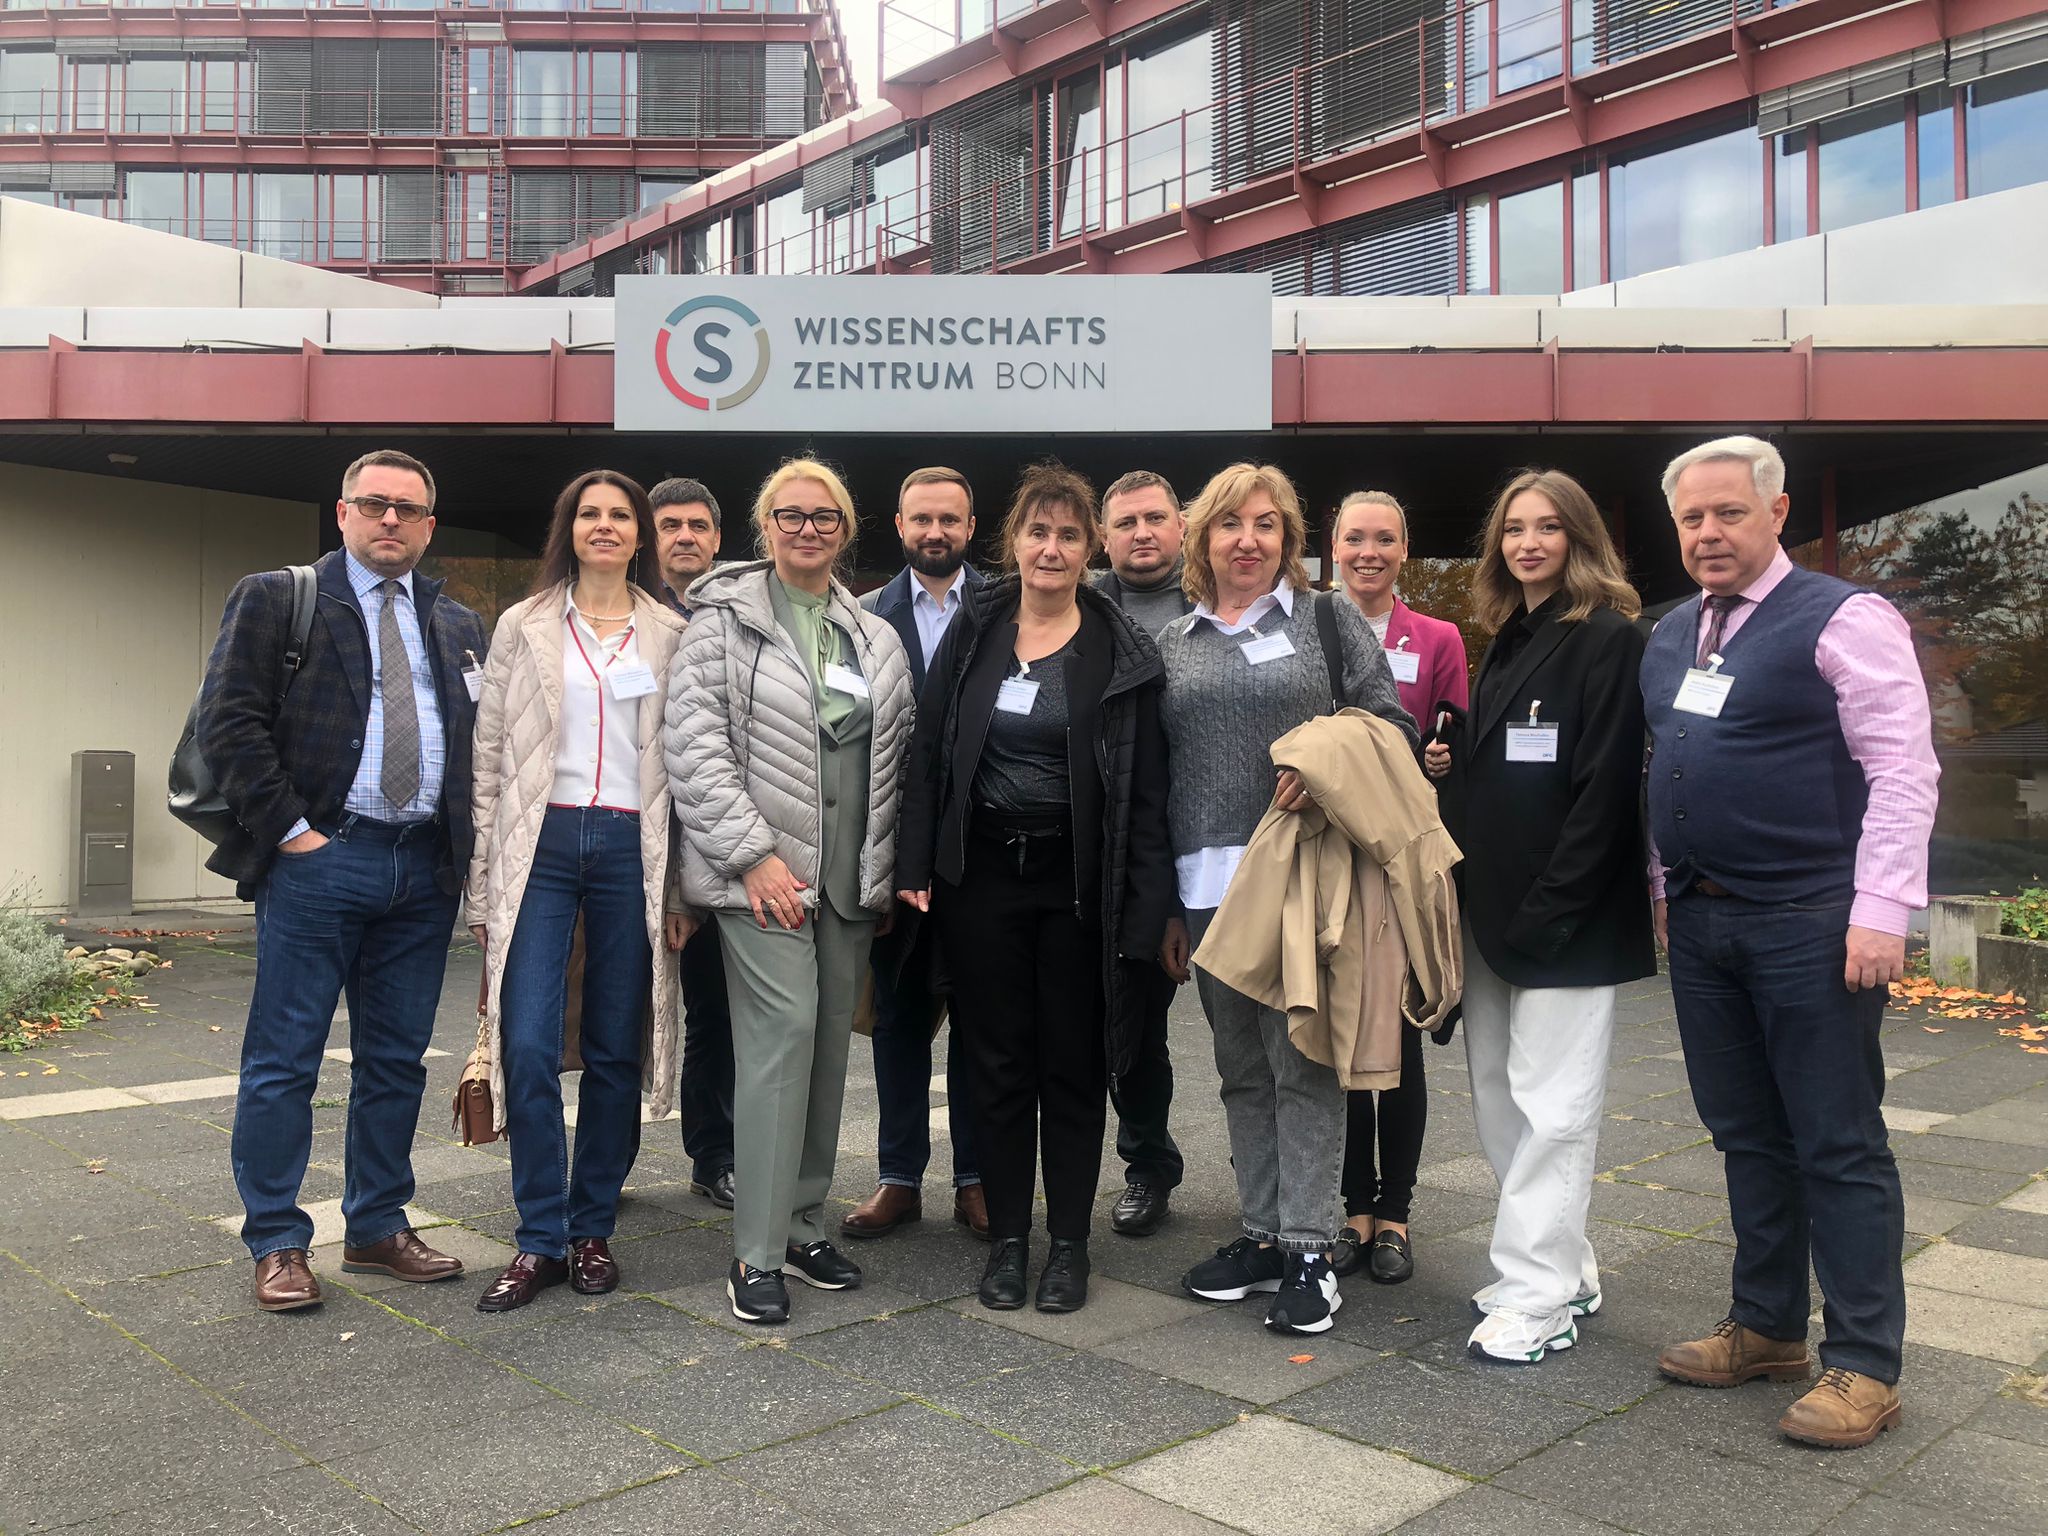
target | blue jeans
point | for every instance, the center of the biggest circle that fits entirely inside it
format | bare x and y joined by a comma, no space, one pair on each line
903,1077
1788,1074
362,913
704,1092
587,860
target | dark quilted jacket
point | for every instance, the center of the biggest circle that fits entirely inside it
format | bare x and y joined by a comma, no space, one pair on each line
1123,866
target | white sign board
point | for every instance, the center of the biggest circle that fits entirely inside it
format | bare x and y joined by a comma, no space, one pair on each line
1177,353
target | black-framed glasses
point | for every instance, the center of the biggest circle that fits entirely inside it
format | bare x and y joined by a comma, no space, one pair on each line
374,508
792,519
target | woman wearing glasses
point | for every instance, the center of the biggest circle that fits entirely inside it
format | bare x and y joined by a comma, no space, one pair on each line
789,714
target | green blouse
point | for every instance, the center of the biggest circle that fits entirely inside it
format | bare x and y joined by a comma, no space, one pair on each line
819,642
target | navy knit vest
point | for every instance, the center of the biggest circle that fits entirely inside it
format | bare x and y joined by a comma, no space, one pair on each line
1766,799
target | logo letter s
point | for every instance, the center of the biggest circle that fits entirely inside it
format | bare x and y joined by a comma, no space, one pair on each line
708,347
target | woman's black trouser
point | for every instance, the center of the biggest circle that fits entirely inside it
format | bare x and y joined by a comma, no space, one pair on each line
1027,974
1396,1123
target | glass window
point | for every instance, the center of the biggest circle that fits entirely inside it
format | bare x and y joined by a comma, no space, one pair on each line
216,207
656,189
1530,47
1935,123
483,89
1532,240
1586,230
2006,124
1478,249
28,91
1163,85
1687,203
612,76
1077,152
155,200
785,233
286,216
153,96
1862,165
92,83
1788,197
544,89
225,103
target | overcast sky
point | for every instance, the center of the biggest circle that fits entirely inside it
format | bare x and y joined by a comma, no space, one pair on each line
861,21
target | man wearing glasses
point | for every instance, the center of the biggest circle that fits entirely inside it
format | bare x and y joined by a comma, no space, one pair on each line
352,794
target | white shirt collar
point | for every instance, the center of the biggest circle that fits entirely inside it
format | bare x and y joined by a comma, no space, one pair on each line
1281,597
923,594
365,581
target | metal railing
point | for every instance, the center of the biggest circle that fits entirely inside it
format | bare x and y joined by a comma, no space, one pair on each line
708,7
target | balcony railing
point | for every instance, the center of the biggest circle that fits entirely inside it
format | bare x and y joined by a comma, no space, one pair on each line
705,7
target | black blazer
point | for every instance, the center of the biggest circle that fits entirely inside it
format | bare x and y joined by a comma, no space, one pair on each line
893,602
1555,885
275,767
1116,766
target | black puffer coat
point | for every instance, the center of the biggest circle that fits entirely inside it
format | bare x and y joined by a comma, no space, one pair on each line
1123,865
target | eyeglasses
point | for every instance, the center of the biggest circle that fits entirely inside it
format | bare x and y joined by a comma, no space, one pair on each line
374,508
792,519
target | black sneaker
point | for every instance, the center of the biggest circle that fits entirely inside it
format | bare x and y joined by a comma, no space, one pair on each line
1308,1300
1063,1286
1002,1278
1140,1210
1236,1272
822,1267
757,1295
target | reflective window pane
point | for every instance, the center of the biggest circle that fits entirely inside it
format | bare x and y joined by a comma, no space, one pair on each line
1788,169
1478,250
1586,230
1862,165
1688,203
2006,126
1532,240
1935,122
28,91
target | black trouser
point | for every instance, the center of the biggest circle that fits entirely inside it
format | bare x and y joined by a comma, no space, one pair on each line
1396,1124
1027,976
1143,1095
704,1096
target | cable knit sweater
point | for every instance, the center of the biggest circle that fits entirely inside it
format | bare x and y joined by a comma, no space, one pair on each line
1222,714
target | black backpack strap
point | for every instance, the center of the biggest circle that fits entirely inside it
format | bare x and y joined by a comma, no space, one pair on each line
305,595
1333,648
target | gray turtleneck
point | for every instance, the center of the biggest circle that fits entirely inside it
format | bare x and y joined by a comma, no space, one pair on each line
1150,604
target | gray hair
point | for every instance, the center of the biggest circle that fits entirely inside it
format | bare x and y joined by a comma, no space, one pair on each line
1766,465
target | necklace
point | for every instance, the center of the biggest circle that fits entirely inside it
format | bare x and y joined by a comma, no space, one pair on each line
604,618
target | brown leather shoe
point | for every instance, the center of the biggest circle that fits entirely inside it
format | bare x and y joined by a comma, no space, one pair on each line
592,1269
970,1209
1731,1355
1844,1410
284,1281
404,1257
889,1207
525,1278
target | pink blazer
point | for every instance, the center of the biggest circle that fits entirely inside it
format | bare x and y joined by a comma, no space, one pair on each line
1443,671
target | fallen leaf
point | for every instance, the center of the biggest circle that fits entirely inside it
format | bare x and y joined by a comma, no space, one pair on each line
1407,1319
50,1071
2036,1050
348,1335
213,1029
1299,1359
1930,1029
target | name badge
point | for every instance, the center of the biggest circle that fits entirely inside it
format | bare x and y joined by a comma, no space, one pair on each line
473,682
633,680
1017,695
1407,666
1532,743
845,680
1704,693
1264,648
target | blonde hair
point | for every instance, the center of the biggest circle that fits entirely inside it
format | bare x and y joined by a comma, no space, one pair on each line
1766,465
1050,484
1225,493
1593,573
1370,499
802,469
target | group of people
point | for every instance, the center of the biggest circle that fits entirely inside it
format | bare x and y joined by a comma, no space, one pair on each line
700,816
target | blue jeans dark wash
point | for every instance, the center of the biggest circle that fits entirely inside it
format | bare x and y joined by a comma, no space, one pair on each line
903,1077
1788,1074
361,913
704,1092
587,860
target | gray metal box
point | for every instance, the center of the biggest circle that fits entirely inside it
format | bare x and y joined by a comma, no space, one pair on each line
102,832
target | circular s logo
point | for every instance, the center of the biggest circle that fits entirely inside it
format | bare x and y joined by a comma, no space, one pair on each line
713,350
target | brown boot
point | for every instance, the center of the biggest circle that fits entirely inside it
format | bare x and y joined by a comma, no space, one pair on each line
1844,1410
284,1281
970,1209
1731,1355
889,1207
403,1257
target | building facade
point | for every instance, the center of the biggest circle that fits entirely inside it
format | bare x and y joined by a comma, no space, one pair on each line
1355,147
440,149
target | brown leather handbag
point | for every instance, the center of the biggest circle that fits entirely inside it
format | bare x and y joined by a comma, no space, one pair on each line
474,1120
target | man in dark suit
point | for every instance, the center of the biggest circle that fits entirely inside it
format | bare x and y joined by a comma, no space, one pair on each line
352,795
935,521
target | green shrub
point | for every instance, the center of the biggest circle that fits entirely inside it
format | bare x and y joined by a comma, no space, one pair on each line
33,969
2025,916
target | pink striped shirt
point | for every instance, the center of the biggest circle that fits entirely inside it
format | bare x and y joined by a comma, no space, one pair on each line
1866,654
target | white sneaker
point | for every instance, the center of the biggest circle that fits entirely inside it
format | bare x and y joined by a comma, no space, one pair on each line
1585,1304
1521,1336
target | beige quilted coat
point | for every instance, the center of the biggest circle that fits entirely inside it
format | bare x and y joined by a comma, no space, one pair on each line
517,731
742,742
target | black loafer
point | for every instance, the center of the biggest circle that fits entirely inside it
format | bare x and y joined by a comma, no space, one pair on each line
1140,1210
757,1295
1063,1287
822,1267
1347,1254
1002,1281
1391,1260
718,1191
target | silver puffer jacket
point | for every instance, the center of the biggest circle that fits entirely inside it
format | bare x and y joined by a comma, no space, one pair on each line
742,742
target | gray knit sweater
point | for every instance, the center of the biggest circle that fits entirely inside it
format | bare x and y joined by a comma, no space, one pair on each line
1222,714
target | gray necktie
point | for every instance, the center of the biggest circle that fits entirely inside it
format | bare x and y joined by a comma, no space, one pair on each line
401,713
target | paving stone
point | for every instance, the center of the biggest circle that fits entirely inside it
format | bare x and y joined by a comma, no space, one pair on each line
2033,1198
1440,1212
307,1499
1249,1475
2005,1230
1971,1271
2012,1417
1091,1507
1875,1514
588,1352
809,1311
907,1470
1231,1351
1637,1204
1092,1411
1930,1216
1448,1416
1605,1370
2016,1123
1114,1311
1975,1325
1491,1511
933,1259
1157,1263
1625,1141
922,1351
481,1475
700,1500
1903,1122
1981,1476
1954,1181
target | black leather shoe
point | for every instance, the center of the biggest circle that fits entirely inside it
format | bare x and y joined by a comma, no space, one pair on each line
822,1267
1392,1260
1063,1287
757,1295
592,1269
524,1278
718,1191
1139,1210
1002,1281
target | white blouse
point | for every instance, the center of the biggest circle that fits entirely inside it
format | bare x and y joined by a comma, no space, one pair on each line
597,758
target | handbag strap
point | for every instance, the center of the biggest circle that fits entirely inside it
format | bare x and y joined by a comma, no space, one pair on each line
1333,647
